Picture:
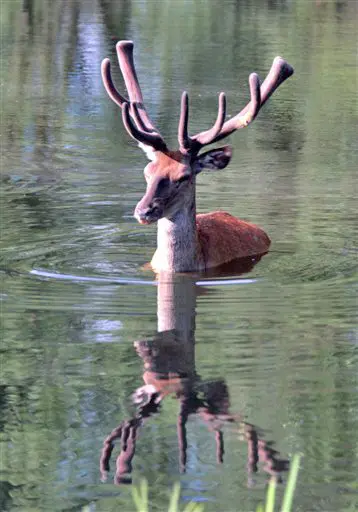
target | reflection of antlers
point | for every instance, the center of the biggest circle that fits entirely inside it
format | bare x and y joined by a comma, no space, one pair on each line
213,409
191,404
127,433
260,450
181,429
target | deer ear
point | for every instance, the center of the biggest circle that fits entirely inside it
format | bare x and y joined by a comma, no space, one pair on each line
214,159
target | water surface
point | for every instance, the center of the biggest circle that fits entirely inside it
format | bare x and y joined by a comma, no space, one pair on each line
82,321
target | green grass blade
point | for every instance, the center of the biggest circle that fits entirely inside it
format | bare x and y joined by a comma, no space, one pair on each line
174,499
291,484
144,493
270,496
137,499
194,507
140,496
191,507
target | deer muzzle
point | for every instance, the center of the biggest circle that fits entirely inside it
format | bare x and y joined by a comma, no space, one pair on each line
148,213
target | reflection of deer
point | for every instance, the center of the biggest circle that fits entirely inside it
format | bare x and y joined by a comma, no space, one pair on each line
169,368
186,241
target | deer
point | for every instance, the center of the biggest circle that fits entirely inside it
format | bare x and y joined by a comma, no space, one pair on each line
187,241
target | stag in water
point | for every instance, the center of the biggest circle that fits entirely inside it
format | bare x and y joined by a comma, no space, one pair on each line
188,242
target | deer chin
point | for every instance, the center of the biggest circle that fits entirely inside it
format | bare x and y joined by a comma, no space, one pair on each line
149,218
145,222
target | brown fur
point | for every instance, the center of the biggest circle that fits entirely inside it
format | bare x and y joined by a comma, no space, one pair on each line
216,239
190,242
172,165
223,238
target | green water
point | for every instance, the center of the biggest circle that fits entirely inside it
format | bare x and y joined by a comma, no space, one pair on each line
277,347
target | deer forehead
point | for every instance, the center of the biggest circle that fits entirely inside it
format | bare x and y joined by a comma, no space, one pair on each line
172,165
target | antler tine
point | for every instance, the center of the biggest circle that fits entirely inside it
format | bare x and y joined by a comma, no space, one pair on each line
205,138
194,144
147,138
255,104
247,115
183,137
126,63
279,72
109,85
143,130
137,118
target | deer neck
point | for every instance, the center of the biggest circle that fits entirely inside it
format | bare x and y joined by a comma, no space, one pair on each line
177,239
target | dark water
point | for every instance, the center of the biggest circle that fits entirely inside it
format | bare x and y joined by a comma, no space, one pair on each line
275,350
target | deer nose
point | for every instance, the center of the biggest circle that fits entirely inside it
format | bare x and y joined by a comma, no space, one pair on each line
145,215
141,215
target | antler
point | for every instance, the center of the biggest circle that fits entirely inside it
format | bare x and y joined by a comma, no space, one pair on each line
279,72
140,127
127,433
187,143
135,117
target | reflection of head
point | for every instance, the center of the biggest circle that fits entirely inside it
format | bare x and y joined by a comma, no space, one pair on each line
167,354
216,396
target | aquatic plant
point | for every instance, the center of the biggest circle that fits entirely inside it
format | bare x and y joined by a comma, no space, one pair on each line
140,495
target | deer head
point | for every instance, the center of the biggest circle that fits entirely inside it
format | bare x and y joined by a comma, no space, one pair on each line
170,175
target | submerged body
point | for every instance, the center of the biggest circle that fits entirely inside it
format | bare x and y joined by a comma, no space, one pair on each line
214,239
224,237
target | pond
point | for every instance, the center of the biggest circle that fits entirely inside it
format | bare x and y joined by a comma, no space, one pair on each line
267,356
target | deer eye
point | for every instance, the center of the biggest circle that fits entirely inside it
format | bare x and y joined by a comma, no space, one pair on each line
162,185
